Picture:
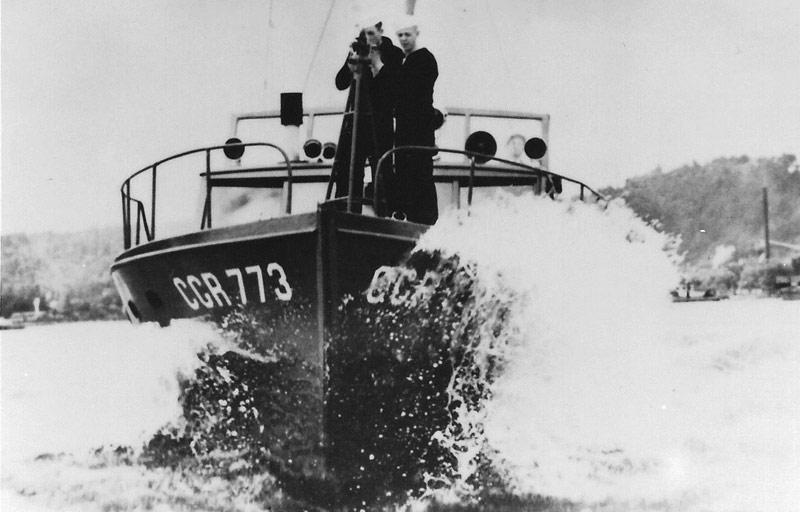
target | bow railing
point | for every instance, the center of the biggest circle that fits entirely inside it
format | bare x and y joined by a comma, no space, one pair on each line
140,222
139,211
543,178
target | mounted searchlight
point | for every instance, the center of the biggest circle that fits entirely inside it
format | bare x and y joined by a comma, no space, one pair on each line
483,143
312,148
535,148
328,150
234,149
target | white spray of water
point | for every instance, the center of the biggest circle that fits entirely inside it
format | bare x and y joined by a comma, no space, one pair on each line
76,387
722,255
69,389
608,391
604,395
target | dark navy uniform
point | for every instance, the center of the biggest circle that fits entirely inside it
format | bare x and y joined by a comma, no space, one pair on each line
376,106
414,187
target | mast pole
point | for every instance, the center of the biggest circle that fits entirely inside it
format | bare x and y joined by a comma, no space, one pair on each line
766,224
410,4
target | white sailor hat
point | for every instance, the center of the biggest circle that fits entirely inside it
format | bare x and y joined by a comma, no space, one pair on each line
406,21
371,21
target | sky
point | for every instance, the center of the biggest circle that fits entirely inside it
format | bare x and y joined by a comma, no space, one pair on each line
93,90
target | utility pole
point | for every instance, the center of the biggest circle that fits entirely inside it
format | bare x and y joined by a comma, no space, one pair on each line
766,224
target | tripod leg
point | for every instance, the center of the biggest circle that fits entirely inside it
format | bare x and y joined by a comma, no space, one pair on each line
346,128
379,198
359,145
354,142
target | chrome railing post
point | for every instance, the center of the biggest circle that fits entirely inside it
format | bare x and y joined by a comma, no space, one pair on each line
206,223
467,123
289,186
153,206
471,180
138,224
126,228
147,231
545,160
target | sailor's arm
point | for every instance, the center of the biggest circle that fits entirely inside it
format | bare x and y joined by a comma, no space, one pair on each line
345,75
430,70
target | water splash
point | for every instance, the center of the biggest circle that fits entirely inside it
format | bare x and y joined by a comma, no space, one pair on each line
602,400
525,358
419,366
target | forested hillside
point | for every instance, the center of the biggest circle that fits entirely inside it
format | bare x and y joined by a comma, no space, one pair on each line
720,203
69,273
718,211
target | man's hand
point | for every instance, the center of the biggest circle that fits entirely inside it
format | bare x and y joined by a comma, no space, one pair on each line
350,60
375,59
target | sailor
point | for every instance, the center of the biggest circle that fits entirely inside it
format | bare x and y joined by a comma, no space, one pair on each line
375,133
414,186
516,149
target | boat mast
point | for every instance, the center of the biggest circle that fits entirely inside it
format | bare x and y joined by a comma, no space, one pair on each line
410,6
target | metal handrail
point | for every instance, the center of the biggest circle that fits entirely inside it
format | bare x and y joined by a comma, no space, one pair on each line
524,169
150,229
141,220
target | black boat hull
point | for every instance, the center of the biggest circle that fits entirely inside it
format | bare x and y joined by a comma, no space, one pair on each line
308,259
292,272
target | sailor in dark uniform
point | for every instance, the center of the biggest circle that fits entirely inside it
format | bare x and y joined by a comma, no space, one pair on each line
375,133
414,186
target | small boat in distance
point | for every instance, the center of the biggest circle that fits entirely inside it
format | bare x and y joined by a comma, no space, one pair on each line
12,323
688,294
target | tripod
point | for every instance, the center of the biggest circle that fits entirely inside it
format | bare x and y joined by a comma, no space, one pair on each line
357,150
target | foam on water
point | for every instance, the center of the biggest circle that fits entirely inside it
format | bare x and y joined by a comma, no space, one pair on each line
76,387
574,376
607,395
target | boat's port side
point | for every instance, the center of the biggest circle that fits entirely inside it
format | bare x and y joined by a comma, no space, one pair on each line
280,259
211,270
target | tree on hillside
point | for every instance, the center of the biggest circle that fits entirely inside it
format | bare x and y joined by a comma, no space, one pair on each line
19,269
70,271
719,203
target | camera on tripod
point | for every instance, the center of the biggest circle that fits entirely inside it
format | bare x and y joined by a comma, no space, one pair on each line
361,48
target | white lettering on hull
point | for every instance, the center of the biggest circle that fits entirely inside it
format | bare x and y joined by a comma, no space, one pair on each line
207,291
399,285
